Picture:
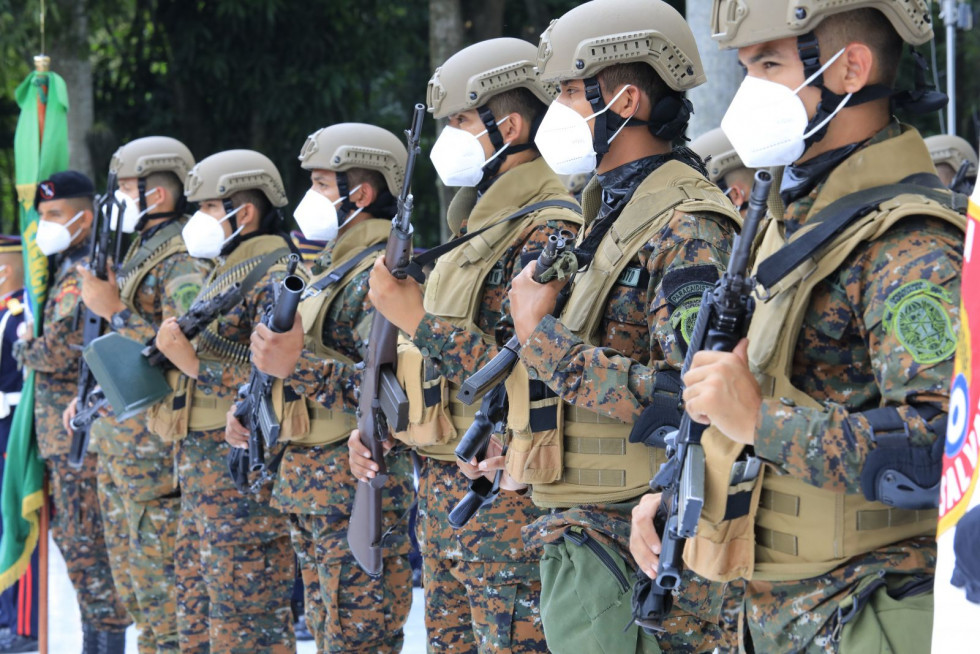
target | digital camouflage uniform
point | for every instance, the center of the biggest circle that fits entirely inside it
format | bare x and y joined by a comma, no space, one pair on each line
482,587
233,593
76,524
138,490
638,337
854,353
346,609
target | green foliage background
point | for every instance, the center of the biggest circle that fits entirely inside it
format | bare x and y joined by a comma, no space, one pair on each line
264,74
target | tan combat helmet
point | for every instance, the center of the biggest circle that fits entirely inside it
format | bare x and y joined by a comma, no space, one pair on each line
601,33
736,24
952,151
475,74
223,174
719,156
152,154
357,145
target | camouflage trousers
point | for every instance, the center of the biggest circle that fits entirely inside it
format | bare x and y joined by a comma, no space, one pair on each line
140,508
482,589
77,530
347,610
234,560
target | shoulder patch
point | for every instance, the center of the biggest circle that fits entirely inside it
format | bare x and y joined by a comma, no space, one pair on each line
681,284
683,318
918,315
68,296
183,290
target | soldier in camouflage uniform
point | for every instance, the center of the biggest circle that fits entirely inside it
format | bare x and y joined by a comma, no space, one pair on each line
481,586
660,234
234,561
64,203
137,489
842,387
356,171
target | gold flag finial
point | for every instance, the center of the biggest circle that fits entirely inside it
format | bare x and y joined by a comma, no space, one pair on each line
42,63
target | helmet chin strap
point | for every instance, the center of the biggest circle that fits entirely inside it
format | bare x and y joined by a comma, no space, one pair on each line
492,166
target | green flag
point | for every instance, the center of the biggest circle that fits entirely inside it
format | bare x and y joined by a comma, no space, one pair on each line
40,150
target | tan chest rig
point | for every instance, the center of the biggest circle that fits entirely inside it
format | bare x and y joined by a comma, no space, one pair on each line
143,256
799,530
437,420
333,425
587,457
190,409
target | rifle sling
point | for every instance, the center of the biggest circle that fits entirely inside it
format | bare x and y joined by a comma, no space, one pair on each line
839,215
414,269
340,271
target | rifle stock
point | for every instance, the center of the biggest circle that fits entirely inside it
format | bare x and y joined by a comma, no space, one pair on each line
364,534
722,320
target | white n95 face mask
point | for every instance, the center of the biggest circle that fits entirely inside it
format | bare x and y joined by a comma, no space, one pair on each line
203,235
766,121
564,138
458,156
131,213
52,238
317,216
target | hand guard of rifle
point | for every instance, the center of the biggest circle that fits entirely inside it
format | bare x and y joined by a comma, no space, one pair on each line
254,409
382,403
556,261
722,321
90,399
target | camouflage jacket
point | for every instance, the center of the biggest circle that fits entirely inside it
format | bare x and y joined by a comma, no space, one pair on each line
55,353
167,289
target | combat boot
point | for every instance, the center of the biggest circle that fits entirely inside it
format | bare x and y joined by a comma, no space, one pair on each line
102,642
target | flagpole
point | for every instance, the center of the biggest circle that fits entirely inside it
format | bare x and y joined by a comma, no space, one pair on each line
42,64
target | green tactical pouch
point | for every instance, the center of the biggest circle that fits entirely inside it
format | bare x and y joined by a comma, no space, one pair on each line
130,383
887,617
585,599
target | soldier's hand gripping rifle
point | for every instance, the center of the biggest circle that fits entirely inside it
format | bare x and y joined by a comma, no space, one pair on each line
89,399
382,403
497,369
201,314
255,409
722,321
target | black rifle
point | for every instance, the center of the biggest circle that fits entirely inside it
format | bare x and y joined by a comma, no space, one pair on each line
90,399
201,314
497,369
490,419
382,403
722,321
255,410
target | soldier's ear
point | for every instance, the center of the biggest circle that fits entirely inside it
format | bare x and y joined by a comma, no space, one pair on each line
364,196
512,129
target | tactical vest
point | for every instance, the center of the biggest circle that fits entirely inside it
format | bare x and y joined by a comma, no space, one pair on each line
598,464
455,289
801,530
143,256
333,425
190,409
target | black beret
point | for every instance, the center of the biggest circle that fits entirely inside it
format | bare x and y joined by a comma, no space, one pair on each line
67,184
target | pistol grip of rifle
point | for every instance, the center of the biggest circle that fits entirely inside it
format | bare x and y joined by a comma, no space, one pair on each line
477,384
475,498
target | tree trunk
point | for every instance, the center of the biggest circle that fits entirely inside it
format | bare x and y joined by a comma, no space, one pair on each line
721,68
445,39
70,59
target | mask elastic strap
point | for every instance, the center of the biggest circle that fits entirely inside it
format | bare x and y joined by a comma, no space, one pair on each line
344,203
603,121
71,222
